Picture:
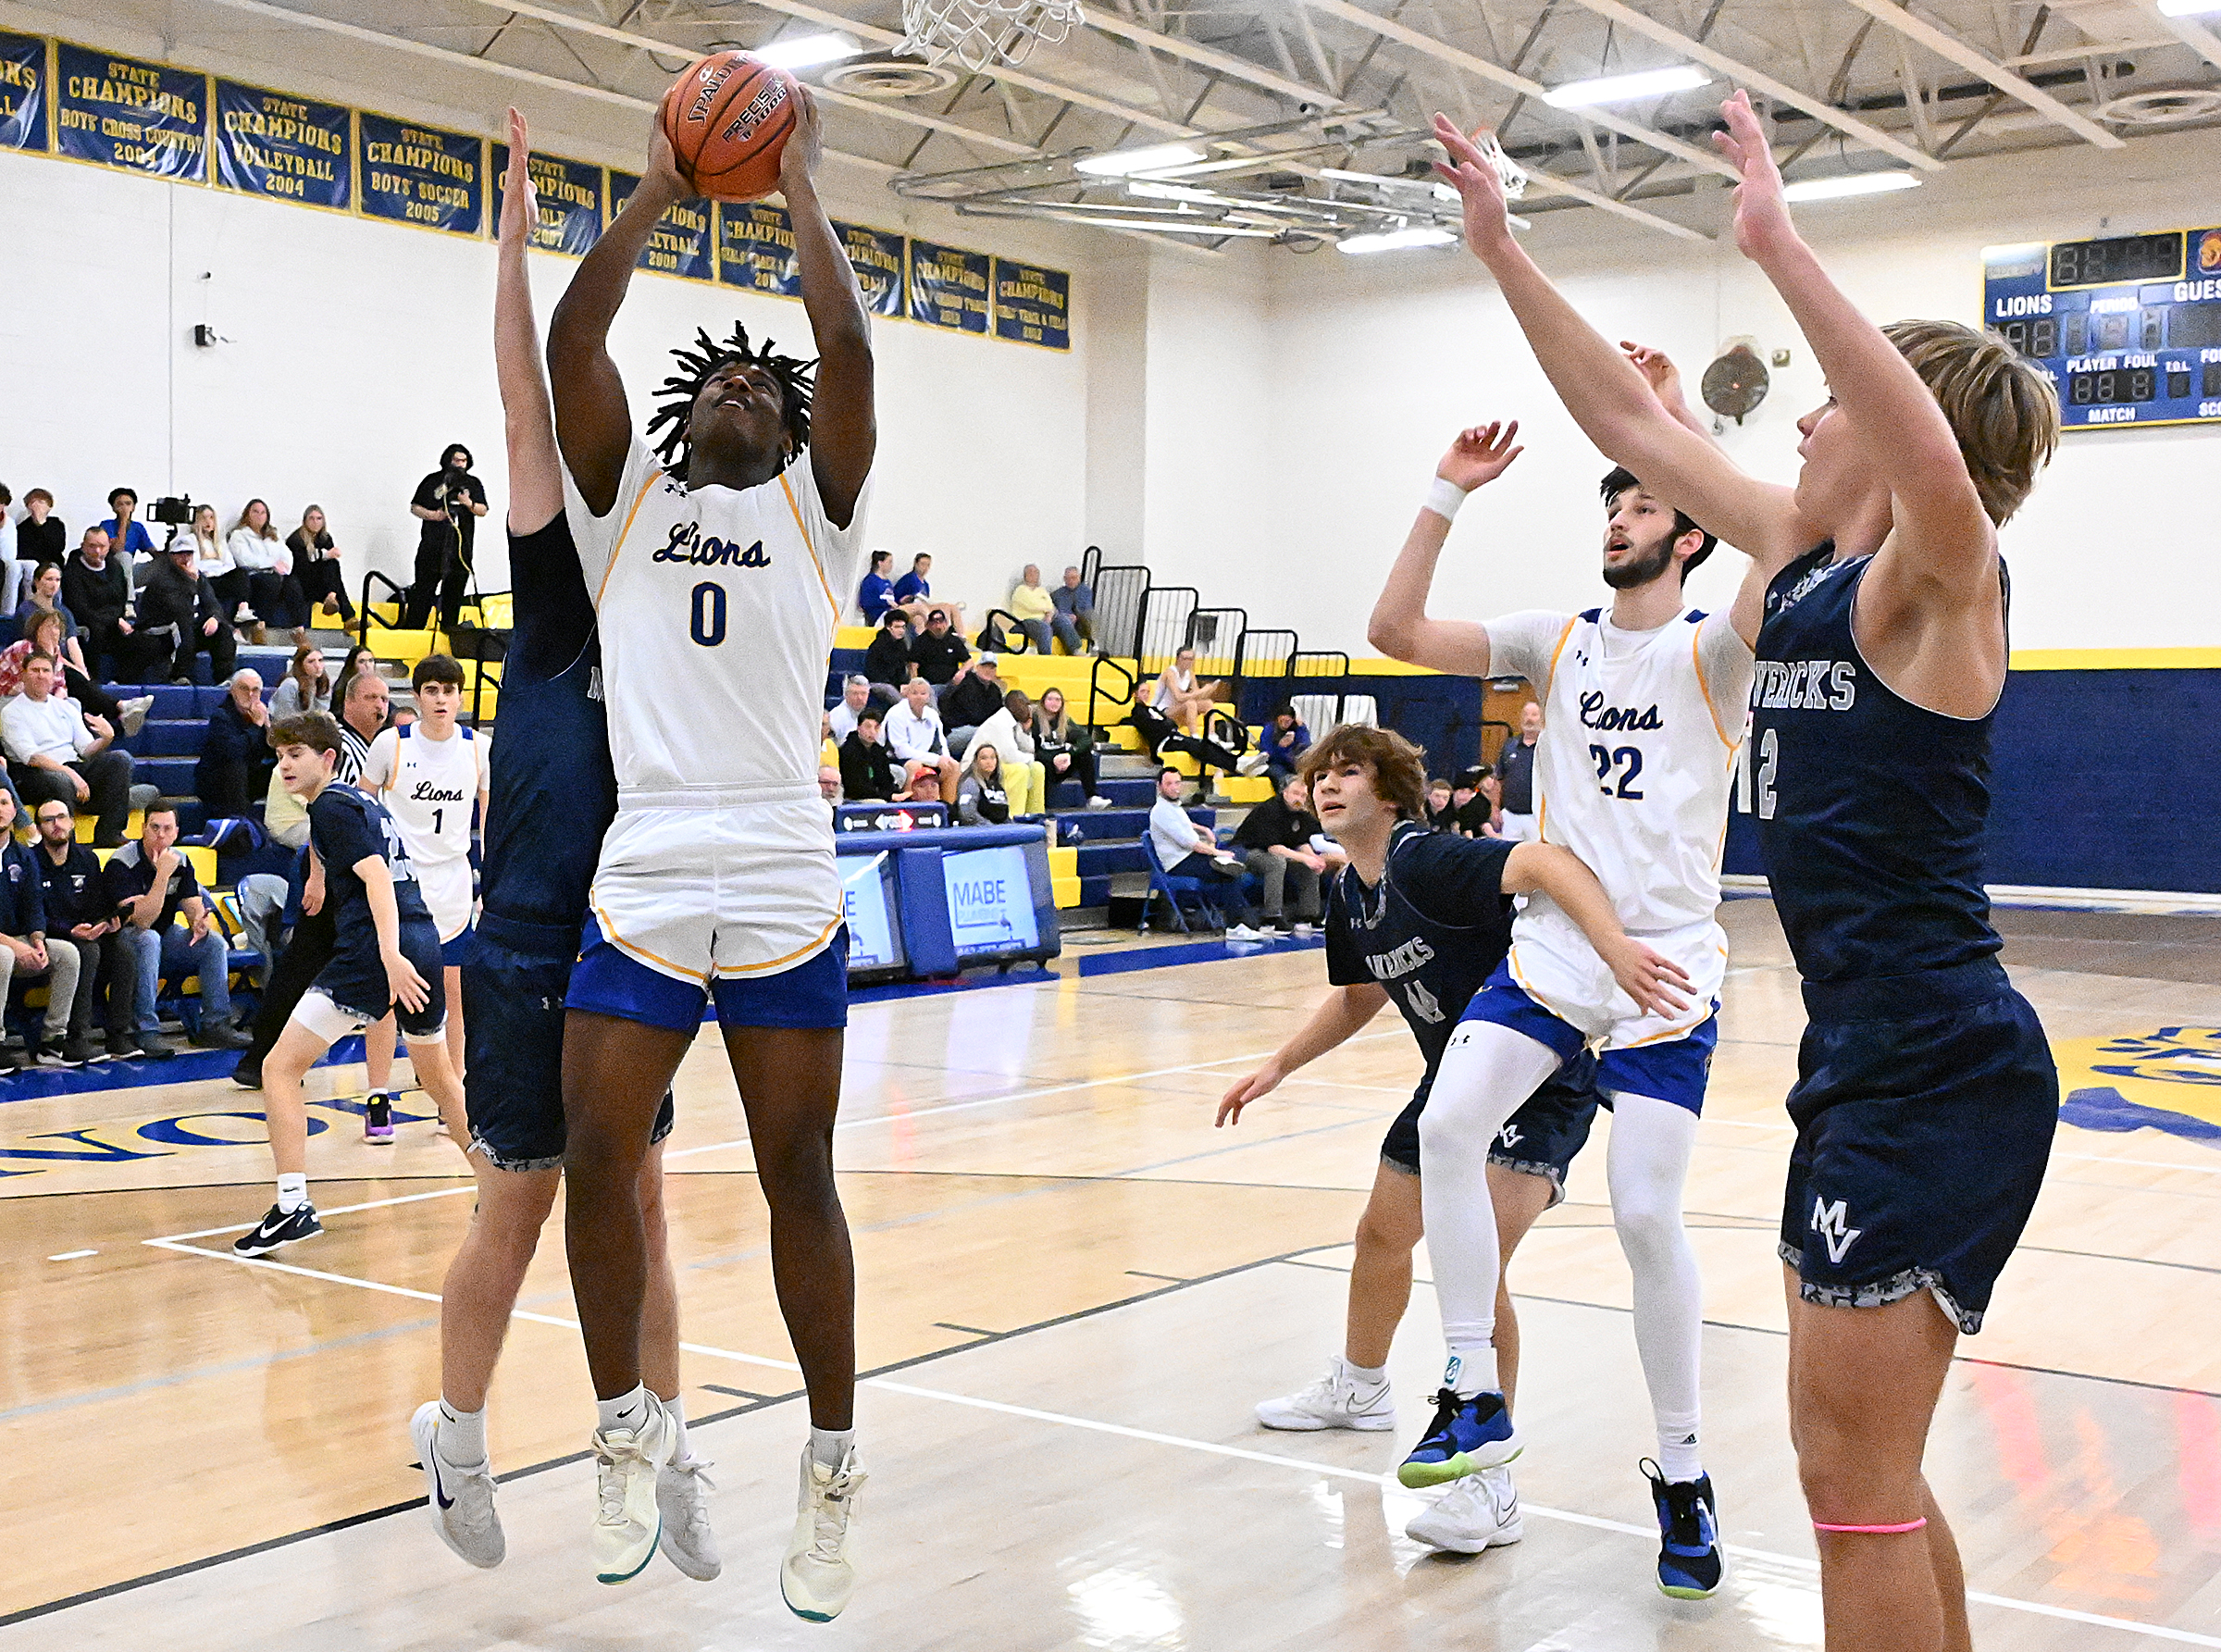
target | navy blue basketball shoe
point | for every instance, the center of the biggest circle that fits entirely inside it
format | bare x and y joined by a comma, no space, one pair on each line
1465,1436
1690,1567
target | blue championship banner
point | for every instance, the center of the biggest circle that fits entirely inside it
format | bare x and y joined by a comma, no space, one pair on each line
1032,305
283,148
22,92
141,117
755,248
949,287
421,175
570,201
876,257
680,245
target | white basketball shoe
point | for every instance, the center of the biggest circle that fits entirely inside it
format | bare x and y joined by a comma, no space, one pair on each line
682,1498
1480,1512
459,1500
816,1578
627,1522
1339,1400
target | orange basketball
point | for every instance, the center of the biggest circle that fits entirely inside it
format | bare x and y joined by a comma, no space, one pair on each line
727,118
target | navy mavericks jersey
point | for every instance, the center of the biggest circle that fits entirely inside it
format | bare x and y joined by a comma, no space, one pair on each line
1871,809
553,792
346,827
1431,931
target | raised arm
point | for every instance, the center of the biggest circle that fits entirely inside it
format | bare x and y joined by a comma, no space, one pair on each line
535,467
593,425
844,431
1646,976
1399,626
1607,394
1340,1016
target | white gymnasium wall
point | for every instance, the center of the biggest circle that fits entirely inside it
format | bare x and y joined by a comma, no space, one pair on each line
362,348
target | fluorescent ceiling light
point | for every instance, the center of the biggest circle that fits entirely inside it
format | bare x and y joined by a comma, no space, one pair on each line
1121,163
1442,191
1175,192
1855,183
806,51
2187,8
1390,240
1617,89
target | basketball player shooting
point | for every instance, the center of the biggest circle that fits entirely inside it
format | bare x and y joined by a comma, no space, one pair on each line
1927,1098
715,561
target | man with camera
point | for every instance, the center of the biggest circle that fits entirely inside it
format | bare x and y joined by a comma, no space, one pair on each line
448,503
180,613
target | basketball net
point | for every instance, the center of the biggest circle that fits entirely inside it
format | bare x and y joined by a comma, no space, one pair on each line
980,32
1513,176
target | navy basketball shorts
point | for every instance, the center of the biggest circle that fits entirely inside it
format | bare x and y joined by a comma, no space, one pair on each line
1540,1139
354,985
512,1015
1925,1107
814,993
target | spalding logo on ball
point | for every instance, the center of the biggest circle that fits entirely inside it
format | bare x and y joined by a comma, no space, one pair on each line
726,120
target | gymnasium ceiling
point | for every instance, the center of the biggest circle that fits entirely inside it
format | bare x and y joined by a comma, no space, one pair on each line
1295,87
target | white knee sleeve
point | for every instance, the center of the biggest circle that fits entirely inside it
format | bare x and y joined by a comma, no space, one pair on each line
1647,1166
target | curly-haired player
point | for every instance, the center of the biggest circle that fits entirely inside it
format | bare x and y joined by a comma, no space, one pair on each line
716,572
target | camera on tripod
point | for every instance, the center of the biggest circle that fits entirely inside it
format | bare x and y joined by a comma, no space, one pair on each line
176,512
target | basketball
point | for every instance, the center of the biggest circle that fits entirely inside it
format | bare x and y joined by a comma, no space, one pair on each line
727,118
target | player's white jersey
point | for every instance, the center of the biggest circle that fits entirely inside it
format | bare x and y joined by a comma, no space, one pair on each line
430,788
716,608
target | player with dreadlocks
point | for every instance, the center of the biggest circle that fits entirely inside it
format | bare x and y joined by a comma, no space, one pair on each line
715,569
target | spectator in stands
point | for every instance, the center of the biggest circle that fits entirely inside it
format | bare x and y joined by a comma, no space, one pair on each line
211,559
939,652
1065,749
1186,849
914,592
1286,739
44,633
1031,607
1473,807
1074,620
868,767
1515,777
96,589
923,783
79,918
1179,697
877,594
1010,731
982,798
236,759
828,784
54,751
39,536
128,537
316,566
304,688
448,503
180,611
1441,808
43,595
284,818
151,885
273,594
887,663
914,734
12,574
1160,720
1275,841
24,951
358,659
970,699
855,694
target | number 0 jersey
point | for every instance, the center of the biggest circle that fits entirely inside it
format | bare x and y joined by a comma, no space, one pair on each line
716,608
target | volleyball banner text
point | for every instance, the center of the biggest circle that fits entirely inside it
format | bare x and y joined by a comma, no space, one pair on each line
284,148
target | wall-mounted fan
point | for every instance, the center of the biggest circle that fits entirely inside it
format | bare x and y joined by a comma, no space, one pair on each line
1736,383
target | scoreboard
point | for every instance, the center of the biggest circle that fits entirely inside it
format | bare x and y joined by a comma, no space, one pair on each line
2130,329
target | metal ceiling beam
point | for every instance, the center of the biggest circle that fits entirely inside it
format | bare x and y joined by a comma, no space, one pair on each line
1819,108
1549,183
1225,63
1952,49
1388,28
2189,31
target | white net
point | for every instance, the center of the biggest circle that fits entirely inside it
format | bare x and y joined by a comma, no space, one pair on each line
978,34
1510,170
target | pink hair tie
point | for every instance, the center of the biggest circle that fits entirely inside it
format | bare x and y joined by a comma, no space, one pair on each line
1909,1525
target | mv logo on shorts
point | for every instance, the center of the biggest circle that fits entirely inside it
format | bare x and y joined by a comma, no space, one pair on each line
1831,1222
1509,1135
1425,1004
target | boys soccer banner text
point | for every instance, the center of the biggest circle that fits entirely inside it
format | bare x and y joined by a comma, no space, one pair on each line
421,175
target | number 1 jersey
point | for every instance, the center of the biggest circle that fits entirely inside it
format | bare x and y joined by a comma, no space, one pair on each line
717,609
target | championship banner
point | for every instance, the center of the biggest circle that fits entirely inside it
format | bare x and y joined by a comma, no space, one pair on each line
421,175
22,92
949,287
680,245
755,248
877,256
1032,305
283,148
570,201
141,117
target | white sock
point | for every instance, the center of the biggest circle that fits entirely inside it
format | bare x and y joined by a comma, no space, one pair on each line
1677,1456
292,1192
1471,1369
460,1437
828,1445
676,1408
627,1410
1370,1375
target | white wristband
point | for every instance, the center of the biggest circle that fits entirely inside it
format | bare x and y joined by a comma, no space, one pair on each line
1444,497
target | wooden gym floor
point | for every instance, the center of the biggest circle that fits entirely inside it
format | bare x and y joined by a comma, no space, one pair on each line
1073,1291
